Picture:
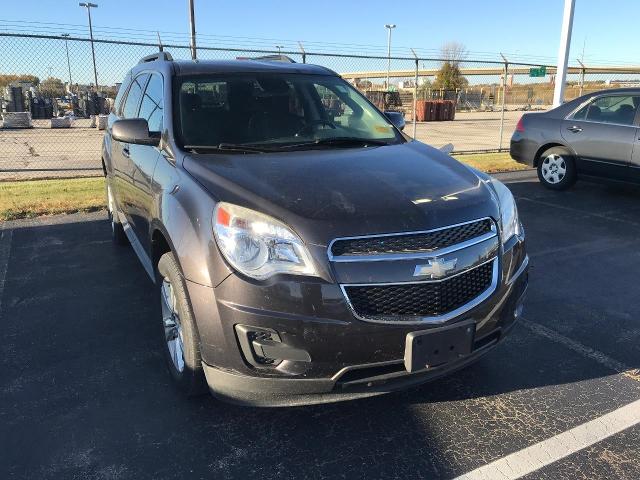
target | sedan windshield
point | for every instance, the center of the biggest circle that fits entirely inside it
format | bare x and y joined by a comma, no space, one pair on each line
274,111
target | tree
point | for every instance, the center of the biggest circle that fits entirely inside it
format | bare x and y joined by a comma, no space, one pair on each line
6,79
449,77
423,88
52,87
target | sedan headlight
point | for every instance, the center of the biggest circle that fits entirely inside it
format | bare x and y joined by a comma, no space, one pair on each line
510,223
257,245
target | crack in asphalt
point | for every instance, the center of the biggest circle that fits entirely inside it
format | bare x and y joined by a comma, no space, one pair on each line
546,452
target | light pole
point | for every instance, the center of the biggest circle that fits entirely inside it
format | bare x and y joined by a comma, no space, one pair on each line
66,44
389,26
89,6
279,47
192,26
563,52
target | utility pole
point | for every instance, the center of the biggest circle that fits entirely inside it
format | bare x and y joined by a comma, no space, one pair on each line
89,6
192,25
304,54
563,52
389,26
582,69
66,44
504,94
415,95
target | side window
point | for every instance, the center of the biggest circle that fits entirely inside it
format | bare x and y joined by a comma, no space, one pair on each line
118,103
151,106
130,109
620,109
581,114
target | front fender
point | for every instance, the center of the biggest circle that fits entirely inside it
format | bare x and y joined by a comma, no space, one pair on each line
184,217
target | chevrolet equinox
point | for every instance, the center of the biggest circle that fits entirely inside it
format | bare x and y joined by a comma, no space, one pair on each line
303,248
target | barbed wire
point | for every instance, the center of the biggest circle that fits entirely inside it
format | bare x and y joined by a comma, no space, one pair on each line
248,42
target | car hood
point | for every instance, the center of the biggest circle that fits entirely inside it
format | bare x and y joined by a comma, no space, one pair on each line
329,193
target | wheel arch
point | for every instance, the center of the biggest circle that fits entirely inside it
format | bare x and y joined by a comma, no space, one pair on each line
546,146
160,244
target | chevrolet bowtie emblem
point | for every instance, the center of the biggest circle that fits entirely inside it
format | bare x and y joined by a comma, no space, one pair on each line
436,268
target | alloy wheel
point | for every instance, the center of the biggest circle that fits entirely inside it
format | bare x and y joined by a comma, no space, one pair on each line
554,168
172,326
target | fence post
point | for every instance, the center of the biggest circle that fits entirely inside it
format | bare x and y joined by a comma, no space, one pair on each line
582,69
415,96
504,94
192,27
304,54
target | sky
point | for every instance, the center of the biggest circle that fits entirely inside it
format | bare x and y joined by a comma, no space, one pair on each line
521,29
525,31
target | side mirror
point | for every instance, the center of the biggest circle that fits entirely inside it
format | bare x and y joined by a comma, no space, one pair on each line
397,118
134,130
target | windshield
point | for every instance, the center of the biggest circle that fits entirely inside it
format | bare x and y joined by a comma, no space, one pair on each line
276,111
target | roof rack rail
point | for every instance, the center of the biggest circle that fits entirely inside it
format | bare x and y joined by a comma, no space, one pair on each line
165,56
274,58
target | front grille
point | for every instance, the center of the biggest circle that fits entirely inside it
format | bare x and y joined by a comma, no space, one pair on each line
430,299
411,242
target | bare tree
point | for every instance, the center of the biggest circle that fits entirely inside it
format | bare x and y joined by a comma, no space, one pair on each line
449,77
453,52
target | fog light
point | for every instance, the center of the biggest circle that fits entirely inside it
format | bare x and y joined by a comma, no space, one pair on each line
263,347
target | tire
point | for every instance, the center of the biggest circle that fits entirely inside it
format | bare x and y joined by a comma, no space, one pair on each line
117,230
180,340
557,168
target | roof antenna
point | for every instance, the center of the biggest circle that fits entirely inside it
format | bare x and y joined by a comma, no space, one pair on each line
160,47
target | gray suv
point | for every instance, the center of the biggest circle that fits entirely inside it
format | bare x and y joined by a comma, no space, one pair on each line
303,248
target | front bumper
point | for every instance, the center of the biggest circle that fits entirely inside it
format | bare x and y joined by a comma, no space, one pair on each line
349,358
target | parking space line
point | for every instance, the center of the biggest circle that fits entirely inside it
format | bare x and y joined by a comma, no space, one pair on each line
546,452
577,210
6,236
601,358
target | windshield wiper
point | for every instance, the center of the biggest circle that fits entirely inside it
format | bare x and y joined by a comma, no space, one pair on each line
337,141
229,147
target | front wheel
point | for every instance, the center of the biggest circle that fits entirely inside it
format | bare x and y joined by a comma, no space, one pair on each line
181,344
557,169
117,230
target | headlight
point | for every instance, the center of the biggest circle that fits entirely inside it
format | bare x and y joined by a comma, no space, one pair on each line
257,245
510,223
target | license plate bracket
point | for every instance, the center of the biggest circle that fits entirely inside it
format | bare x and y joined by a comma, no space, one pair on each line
436,346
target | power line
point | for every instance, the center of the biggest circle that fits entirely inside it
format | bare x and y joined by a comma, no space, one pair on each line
266,43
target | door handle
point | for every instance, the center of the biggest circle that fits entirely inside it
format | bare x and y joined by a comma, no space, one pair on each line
574,129
125,152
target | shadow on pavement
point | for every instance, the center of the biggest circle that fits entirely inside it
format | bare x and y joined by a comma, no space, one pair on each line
85,393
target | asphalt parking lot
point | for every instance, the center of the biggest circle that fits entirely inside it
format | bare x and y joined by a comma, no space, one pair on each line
84,393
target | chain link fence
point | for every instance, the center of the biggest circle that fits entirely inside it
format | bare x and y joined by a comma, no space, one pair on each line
53,76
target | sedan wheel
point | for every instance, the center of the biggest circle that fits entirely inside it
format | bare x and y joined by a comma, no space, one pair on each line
557,168
554,168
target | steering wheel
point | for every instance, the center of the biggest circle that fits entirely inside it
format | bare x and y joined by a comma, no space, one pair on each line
313,123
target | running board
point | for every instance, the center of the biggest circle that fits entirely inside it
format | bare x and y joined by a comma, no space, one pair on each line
137,247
